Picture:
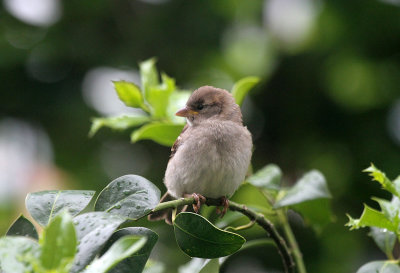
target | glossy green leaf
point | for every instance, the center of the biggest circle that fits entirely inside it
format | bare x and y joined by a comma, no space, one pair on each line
384,239
23,227
311,186
45,205
380,267
17,253
268,177
119,122
131,196
129,93
120,250
149,75
93,229
197,237
158,96
136,262
372,218
242,87
162,133
58,242
381,178
177,100
316,213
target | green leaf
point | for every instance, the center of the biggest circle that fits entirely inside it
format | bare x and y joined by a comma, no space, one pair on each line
45,205
268,177
390,209
129,93
131,196
381,178
380,267
311,186
17,253
197,237
384,239
119,122
158,96
149,75
211,266
22,227
93,229
162,133
316,213
154,267
242,87
177,100
136,262
372,218
120,250
197,265
58,242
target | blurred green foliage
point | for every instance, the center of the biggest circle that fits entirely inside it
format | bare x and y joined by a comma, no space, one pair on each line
328,98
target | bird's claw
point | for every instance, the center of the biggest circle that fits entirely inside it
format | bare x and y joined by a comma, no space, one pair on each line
225,205
199,200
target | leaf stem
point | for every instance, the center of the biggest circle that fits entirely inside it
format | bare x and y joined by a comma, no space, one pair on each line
243,227
259,218
292,240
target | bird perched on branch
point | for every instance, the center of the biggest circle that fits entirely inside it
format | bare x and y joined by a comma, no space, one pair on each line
211,156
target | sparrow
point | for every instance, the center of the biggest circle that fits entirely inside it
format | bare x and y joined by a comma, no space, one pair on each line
211,156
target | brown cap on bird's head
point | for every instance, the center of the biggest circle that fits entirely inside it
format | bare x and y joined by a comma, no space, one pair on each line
211,102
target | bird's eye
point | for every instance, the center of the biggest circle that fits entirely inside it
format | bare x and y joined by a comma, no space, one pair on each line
200,106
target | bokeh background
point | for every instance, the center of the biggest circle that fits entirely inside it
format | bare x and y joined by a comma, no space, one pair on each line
328,100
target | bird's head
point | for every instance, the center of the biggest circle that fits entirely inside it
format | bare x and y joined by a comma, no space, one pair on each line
209,102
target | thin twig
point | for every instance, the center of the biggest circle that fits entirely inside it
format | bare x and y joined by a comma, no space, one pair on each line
259,218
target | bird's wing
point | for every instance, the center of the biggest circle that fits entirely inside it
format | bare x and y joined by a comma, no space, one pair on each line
178,142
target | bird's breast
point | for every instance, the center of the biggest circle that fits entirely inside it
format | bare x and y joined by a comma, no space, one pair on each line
212,161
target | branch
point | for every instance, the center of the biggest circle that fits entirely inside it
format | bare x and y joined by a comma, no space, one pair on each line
252,215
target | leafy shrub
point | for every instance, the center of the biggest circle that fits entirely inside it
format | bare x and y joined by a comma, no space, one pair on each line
383,223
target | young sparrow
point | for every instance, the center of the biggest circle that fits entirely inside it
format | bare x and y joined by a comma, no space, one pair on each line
212,154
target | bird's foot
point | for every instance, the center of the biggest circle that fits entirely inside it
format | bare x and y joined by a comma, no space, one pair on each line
225,206
200,200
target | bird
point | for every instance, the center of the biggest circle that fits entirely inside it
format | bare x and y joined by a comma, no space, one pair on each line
212,154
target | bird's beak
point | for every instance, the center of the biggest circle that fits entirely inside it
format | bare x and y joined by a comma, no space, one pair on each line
185,112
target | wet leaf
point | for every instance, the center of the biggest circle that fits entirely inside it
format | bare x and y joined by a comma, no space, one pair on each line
136,262
93,230
120,250
23,227
45,205
384,239
131,196
16,253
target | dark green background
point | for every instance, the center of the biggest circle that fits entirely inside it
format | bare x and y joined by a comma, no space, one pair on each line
327,102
